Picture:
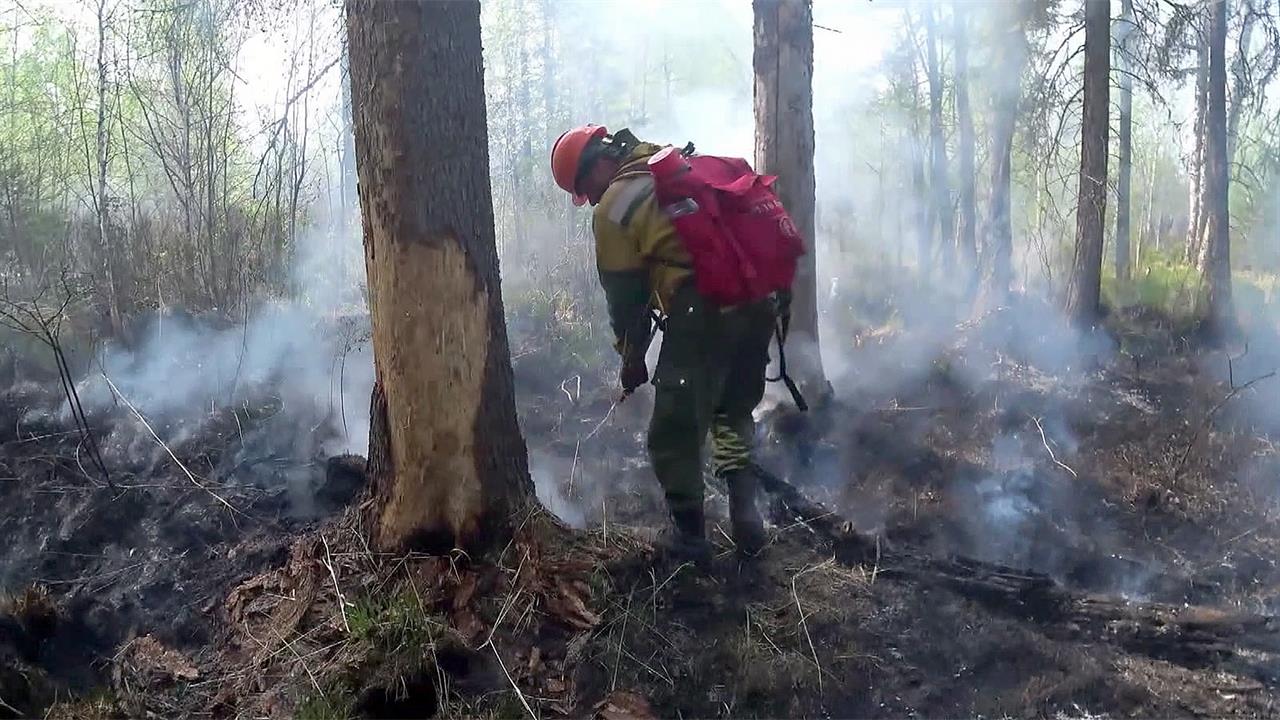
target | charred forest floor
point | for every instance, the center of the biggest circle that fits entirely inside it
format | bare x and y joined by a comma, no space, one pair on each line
991,521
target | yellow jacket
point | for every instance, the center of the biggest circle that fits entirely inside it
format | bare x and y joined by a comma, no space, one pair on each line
641,260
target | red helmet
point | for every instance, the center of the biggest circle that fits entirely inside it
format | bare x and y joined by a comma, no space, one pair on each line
566,157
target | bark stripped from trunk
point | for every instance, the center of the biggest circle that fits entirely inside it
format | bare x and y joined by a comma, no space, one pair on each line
447,462
784,147
1124,169
1085,287
1217,310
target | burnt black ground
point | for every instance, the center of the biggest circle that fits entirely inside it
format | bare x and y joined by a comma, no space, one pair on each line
151,553
1160,503
1077,603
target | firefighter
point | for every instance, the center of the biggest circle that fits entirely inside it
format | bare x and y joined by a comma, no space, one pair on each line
711,368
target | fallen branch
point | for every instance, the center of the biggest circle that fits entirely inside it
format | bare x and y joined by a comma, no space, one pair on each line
1052,456
1140,627
804,624
167,449
1208,417
6,706
342,602
516,688
607,415
622,638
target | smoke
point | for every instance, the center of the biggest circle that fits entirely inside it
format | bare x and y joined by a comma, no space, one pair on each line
554,479
299,369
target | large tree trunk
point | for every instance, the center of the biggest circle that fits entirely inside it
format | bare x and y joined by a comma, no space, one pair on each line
1010,57
1124,169
1085,286
1216,308
1195,224
784,147
964,118
941,195
446,459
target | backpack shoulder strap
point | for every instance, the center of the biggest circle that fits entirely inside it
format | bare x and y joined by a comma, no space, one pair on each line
636,187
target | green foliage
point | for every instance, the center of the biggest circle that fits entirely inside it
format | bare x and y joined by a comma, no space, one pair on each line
1171,285
567,326
1165,283
393,621
326,706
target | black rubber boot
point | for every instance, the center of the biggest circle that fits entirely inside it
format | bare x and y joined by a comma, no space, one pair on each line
688,542
746,524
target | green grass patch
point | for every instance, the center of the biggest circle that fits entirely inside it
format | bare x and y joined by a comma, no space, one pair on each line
1172,285
326,706
393,621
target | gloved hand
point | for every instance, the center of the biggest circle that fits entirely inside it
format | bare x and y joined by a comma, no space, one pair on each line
634,374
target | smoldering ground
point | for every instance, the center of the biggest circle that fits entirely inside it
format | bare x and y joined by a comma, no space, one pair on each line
303,366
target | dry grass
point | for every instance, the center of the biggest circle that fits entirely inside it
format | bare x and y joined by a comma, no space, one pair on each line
34,609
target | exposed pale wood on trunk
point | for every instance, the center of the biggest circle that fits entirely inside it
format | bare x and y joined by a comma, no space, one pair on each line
446,459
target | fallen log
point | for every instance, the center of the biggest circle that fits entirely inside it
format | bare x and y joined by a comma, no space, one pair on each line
1192,636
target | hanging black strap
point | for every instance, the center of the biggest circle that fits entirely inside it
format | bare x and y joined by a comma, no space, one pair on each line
780,333
658,320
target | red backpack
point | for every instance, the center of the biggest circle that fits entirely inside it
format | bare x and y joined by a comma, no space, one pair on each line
743,244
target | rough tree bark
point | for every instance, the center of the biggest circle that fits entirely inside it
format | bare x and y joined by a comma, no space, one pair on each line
1124,158
941,195
447,463
783,62
1011,53
964,118
1085,286
1216,308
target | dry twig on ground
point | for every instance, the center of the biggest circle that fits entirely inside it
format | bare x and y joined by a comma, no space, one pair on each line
1052,456
190,476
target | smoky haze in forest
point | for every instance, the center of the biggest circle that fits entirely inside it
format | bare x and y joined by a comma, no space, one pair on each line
678,72
674,72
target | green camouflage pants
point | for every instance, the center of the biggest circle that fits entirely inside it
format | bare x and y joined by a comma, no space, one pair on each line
709,379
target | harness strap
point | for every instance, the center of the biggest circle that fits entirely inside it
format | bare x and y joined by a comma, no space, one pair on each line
780,333
782,369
